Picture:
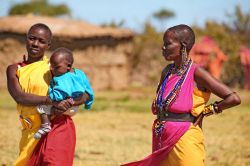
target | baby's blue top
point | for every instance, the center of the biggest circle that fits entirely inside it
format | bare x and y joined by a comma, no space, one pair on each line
71,84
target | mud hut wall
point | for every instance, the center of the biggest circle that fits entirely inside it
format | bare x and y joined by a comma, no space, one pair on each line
11,51
105,65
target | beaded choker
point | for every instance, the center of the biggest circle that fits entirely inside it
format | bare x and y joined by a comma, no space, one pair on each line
179,70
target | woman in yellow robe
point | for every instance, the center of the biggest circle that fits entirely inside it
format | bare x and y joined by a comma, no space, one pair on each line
28,83
27,80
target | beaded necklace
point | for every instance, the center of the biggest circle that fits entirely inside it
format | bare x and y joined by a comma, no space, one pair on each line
171,97
162,103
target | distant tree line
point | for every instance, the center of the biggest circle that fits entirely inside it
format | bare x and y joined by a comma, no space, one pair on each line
39,7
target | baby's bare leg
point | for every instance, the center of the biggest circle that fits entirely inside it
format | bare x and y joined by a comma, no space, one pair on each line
45,121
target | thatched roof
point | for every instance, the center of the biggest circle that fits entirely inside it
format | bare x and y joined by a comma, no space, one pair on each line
61,27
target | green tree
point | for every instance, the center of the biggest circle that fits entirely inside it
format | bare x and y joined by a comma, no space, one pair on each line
39,7
241,25
163,15
241,21
114,24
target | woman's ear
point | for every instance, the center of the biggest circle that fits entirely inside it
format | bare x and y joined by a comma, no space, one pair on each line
183,44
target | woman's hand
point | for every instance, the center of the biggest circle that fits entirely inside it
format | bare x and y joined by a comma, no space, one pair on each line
55,111
63,105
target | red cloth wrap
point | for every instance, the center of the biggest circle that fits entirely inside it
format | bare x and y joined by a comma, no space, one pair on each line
58,147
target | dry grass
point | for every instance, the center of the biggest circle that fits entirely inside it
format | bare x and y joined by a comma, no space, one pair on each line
118,130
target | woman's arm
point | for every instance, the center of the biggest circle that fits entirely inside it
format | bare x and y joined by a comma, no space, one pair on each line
205,80
16,92
28,99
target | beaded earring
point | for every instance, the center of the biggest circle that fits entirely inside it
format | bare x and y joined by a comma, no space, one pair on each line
184,53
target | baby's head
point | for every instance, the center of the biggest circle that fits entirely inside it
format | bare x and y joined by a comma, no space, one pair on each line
61,61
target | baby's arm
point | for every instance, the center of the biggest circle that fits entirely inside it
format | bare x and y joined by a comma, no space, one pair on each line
81,99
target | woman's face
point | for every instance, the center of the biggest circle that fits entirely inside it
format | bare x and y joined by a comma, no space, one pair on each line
171,47
38,41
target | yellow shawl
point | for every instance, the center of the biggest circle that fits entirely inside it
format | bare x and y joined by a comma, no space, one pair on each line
33,78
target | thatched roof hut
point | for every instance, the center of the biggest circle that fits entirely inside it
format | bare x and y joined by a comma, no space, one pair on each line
61,27
100,52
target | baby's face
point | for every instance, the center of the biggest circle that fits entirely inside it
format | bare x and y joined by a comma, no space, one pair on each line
58,66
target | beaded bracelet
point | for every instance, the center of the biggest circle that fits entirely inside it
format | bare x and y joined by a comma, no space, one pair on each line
212,109
208,110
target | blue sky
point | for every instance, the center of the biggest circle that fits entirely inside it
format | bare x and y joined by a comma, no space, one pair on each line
136,12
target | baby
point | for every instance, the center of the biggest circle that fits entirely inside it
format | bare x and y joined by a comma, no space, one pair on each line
67,83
